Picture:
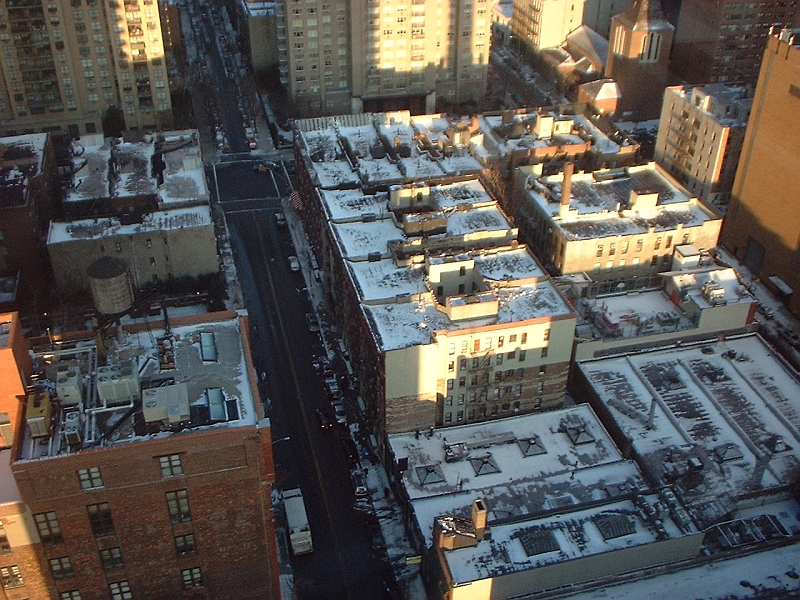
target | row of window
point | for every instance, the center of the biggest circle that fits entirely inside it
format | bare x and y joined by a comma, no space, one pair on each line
623,247
484,411
91,478
499,358
477,346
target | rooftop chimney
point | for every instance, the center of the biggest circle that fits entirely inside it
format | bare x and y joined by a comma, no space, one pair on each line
479,518
566,188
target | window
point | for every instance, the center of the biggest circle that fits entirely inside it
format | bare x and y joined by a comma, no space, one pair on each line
192,578
524,338
624,249
451,349
90,478
178,505
657,245
100,519
476,362
462,364
521,355
449,401
542,369
450,383
600,250
11,577
111,558
170,465
120,590
5,547
71,595
544,352
499,359
451,366
61,567
500,341
185,544
476,346
639,245
547,334
49,529
462,381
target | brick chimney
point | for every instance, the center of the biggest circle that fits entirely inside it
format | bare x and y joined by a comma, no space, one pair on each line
479,518
566,188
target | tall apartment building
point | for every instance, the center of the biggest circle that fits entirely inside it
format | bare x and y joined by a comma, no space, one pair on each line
700,137
65,62
543,24
639,57
723,41
139,468
366,55
763,220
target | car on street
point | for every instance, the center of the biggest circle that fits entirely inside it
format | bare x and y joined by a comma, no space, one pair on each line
333,388
359,483
280,218
325,367
294,264
313,324
350,450
376,540
324,420
339,412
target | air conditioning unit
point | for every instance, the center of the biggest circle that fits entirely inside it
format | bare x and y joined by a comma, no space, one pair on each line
72,427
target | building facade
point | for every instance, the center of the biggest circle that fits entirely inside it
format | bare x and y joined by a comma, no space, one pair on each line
545,24
135,493
615,225
723,42
700,138
762,221
66,62
367,55
638,58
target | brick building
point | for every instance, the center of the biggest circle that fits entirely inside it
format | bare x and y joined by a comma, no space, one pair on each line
762,223
141,468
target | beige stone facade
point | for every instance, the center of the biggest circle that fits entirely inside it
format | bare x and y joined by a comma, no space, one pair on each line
368,55
700,138
65,62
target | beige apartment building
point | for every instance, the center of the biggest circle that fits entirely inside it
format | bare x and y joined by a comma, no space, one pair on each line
763,220
369,55
541,24
700,137
65,62
616,225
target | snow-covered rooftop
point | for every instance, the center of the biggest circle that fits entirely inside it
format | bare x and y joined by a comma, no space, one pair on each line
600,203
414,320
179,218
730,404
108,168
200,369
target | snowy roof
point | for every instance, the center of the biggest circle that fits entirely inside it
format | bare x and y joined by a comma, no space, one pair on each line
729,404
132,174
519,133
414,321
539,461
598,205
179,218
199,371
348,205
358,239
563,536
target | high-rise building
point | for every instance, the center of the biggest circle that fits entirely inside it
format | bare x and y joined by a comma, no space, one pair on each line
367,55
638,58
718,41
539,25
763,219
700,137
65,62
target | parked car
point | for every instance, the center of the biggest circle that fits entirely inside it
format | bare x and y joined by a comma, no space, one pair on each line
294,264
333,388
765,311
339,412
351,450
377,542
280,218
325,367
313,324
359,483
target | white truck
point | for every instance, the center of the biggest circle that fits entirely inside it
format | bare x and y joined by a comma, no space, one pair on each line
299,531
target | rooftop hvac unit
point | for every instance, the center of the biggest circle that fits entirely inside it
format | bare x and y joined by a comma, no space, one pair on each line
39,413
68,386
72,427
168,404
713,291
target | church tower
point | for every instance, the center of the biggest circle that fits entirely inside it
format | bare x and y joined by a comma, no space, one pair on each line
638,58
